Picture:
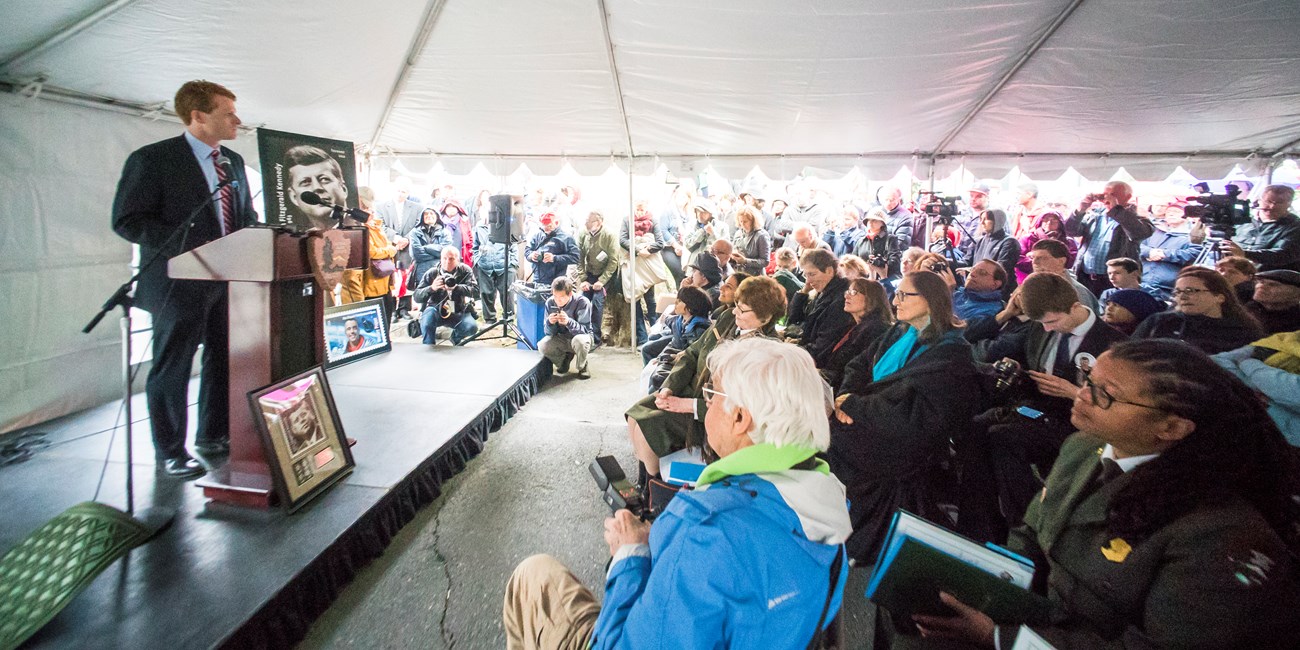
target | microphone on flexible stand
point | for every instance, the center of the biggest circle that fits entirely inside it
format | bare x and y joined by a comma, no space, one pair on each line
339,212
224,163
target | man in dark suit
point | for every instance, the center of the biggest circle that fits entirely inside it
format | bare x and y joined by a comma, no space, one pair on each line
1013,446
161,184
824,319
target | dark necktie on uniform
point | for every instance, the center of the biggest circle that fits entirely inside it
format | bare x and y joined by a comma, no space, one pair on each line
1061,367
1110,469
227,197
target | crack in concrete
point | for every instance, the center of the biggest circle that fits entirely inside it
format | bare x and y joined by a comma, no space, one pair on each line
448,638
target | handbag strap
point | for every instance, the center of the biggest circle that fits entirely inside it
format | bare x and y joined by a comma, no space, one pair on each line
830,595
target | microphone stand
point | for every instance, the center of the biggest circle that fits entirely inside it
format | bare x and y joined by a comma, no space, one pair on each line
156,518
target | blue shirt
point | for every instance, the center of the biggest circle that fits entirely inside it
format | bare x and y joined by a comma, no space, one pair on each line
204,155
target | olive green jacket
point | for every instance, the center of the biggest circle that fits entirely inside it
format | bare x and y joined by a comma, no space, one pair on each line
589,260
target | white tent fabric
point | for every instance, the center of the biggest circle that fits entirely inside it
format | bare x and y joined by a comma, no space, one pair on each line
941,86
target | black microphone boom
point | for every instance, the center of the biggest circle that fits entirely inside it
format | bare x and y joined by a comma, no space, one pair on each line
312,198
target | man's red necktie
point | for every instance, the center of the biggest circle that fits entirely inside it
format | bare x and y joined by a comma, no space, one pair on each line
227,198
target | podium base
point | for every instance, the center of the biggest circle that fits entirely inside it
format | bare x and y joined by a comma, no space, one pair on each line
245,489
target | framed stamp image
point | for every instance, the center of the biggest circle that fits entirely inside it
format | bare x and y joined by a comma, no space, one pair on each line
355,331
301,436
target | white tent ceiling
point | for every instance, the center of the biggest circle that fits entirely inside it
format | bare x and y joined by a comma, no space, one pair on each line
1042,84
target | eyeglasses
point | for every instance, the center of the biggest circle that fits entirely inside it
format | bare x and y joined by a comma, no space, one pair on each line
1188,292
710,394
900,294
852,292
742,310
1104,400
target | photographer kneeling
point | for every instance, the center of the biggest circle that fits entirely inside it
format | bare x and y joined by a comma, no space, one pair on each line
447,293
743,561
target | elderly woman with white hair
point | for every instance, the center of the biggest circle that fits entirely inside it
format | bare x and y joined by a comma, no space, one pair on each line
752,558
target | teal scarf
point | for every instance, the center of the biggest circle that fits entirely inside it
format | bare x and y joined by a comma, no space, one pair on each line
897,355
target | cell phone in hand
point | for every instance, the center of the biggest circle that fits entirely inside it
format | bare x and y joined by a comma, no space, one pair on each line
1032,414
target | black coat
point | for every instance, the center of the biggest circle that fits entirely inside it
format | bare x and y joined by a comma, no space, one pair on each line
1210,335
860,338
1099,338
824,319
161,185
901,429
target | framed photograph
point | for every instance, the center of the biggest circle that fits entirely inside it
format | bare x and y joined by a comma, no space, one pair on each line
304,178
355,331
302,436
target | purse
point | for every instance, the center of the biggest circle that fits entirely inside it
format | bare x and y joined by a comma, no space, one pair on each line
382,268
413,329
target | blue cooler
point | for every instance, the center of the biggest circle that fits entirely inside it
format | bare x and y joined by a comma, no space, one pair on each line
530,311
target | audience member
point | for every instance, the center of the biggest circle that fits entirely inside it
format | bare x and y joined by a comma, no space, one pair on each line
803,238
853,267
377,283
752,243
598,258
1123,273
995,243
982,295
704,275
897,217
1050,226
842,234
1276,303
1024,215
456,220
427,239
968,221
1169,520
878,247
690,319
786,265
568,328
1012,445
672,419
1127,308
1272,239
446,293
1240,274
1206,315
495,268
724,252
900,403
705,230
551,250
1167,251
866,302
1271,366
643,241
752,558
670,226
1119,232
823,317
402,213
1049,256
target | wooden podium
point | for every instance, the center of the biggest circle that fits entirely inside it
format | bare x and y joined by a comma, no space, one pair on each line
276,322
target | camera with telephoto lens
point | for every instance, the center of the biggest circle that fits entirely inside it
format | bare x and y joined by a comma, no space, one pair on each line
940,208
1221,213
1007,374
878,260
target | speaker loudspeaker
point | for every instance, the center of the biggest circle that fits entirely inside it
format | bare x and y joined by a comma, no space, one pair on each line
505,220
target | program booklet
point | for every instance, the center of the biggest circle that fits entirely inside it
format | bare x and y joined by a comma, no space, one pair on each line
919,559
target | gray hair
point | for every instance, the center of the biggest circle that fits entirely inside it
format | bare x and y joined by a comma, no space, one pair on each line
779,385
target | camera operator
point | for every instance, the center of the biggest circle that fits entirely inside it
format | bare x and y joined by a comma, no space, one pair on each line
1025,432
1272,239
752,558
1119,232
447,293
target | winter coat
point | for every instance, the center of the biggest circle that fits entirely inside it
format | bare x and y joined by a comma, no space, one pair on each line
1209,335
559,244
883,246
1179,251
742,561
1001,248
578,311
1273,245
490,257
426,247
824,319
853,343
843,242
598,256
901,428
1280,388
463,289
755,246
968,305
373,286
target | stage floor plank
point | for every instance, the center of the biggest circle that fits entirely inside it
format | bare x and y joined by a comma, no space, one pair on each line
218,565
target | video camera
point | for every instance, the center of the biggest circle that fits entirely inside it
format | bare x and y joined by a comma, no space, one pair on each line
940,208
1221,213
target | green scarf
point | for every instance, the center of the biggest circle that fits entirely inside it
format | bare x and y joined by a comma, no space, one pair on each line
759,458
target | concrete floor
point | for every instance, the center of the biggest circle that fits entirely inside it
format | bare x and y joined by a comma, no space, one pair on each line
441,582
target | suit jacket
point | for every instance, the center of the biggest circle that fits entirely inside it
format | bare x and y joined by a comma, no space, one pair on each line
1216,577
1098,339
161,185
402,219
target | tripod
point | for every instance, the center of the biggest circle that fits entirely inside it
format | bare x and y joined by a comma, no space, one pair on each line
508,331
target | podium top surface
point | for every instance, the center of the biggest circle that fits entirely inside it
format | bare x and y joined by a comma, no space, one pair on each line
256,255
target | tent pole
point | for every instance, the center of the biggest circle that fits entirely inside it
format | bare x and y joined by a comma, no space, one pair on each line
64,33
431,13
618,84
1020,63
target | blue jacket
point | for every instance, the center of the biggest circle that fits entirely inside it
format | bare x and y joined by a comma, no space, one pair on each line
559,244
1282,388
1179,252
578,310
490,257
741,562
426,247
969,304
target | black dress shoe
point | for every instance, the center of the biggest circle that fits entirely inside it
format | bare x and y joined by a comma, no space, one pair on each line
212,447
182,467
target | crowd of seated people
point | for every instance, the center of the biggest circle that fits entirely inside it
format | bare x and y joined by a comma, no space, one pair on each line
962,394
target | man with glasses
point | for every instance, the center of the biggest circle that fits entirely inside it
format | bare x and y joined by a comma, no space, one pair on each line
1011,446
1272,239
823,317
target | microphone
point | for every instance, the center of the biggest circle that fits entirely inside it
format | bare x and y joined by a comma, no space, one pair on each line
312,198
224,163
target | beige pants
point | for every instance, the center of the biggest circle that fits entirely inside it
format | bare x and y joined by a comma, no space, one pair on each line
547,608
556,348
